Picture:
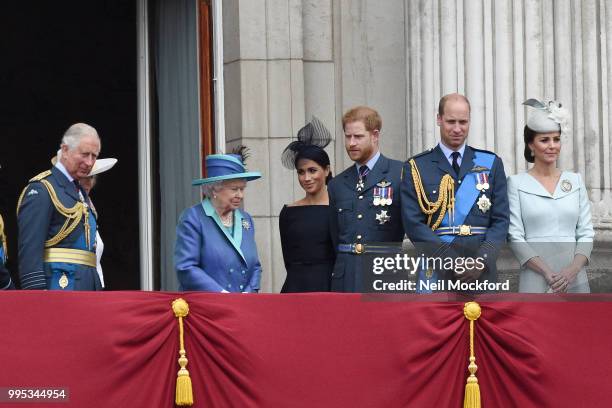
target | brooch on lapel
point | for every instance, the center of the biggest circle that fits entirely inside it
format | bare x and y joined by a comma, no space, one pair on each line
566,186
246,224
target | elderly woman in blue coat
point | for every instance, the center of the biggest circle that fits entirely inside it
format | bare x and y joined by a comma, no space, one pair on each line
215,247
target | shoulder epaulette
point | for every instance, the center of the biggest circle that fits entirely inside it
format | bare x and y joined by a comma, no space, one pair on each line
423,153
483,150
40,176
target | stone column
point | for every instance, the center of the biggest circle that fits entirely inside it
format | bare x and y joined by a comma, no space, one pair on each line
264,104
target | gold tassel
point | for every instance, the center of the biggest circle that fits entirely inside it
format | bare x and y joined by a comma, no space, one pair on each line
471,310
184,391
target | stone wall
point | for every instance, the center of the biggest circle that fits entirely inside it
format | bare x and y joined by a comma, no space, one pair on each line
286,60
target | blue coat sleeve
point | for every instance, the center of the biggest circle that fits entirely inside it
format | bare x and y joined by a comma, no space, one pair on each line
415,222
191,273
499,218
33,221
584,227
413,219
516,230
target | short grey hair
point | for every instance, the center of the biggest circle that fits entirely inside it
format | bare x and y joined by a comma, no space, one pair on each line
211,188
76,132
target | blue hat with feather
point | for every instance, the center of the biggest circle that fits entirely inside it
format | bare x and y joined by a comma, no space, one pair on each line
221,167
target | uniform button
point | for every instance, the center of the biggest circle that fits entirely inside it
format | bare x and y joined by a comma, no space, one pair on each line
358,236
361,197
434,192
339,209
359,216
241,286
459,182
229,285
231,270
243,272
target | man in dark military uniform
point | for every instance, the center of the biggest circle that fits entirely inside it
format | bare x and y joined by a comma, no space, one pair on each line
454,199
364,199
57,229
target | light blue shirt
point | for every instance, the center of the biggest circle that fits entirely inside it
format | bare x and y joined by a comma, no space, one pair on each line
61,168
448,152
371,163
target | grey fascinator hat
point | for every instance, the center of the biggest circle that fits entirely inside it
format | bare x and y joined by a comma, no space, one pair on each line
547,116
311,140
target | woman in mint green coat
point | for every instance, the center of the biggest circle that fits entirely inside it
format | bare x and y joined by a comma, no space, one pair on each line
550,229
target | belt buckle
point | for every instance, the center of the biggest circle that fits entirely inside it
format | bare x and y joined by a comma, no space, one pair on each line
359,248
465,230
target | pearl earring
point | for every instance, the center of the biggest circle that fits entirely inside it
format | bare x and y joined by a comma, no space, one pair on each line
532,154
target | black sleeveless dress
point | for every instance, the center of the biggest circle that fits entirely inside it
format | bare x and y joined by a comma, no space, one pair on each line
308,250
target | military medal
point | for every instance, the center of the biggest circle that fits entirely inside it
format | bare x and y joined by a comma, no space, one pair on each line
360,184
246,224
482,182
377,196
63,281
484,204
566,186
387,194
382,217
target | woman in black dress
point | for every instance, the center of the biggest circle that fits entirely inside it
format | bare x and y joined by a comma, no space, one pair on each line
308,251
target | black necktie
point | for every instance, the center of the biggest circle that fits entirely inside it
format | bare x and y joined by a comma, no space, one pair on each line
456,162
363,171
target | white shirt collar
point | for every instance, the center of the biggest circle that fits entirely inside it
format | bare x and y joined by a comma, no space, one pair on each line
447,152
371,163
61,168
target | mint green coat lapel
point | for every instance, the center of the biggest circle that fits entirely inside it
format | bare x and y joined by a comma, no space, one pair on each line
236,239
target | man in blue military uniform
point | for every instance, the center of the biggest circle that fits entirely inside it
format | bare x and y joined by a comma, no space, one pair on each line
57,229
454,199
364,199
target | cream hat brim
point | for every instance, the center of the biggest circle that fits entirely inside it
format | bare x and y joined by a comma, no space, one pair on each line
102,165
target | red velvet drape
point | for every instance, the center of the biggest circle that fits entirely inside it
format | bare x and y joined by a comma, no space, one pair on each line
313,350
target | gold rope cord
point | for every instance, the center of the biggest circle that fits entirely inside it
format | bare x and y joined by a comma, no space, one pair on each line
184,390
73,215
444,203
472,311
